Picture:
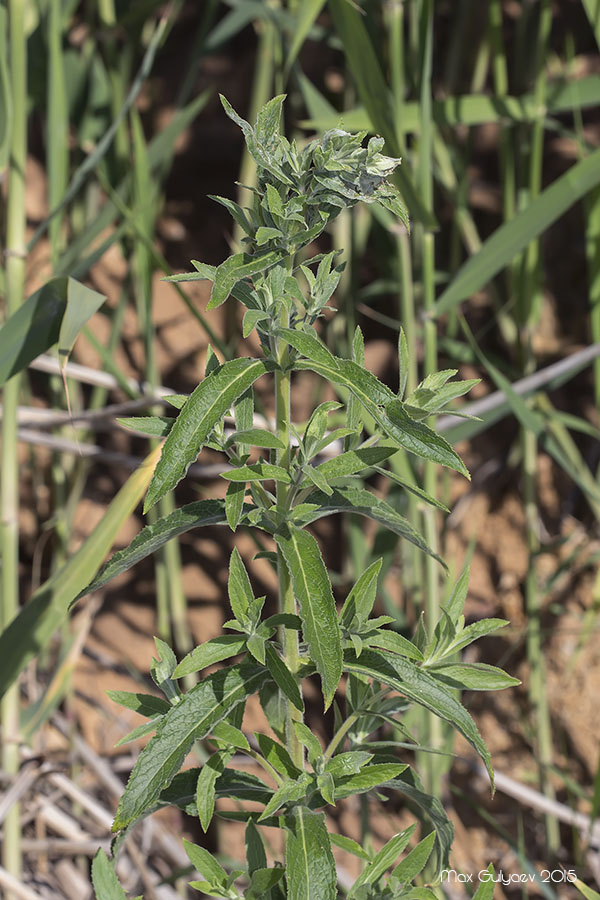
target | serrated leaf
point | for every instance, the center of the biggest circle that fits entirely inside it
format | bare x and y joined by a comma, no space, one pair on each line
239,785
347,844
353,461
310,866
310,741
370,777
154,426
212,769
348,763
283,677
191,719
255,849
394,642
257,472
387,411
144,704
361,598
415,861
251,319
364,503
205,407
231,734
382,861
234,503
276,754
474,631
239,589
217,649
106,884
307,344
205,863
473,676
419,686
289,792
152,537
257,437
312,589
234,269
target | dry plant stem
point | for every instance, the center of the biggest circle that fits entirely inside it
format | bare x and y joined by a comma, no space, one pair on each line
15,277
529,301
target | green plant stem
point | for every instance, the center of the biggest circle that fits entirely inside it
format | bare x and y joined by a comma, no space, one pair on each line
9,502
287,601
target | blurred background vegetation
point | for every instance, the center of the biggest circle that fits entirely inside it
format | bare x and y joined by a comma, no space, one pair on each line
111,138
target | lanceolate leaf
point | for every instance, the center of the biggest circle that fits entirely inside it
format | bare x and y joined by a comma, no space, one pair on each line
408,783
312,589
144,704
234,269
205,788
206,406
310,867
364,503
355,461
283,677
223,647
191,719
150,538
106,884
384,860
387,411
370,777
420,687
154,426
239,785
473,677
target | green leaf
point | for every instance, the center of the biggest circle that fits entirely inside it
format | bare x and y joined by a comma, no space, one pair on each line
251,319
276,754
419,438
255,849
144,704
212,769
205,863
361,598
152,537
106,884
140,731
223,647
364,503
191,719
236,268
408,783
234,503
353,461
231,734
485,889
382,861
310,741
257,472
474,631
348,763
283,677
412,488
262,881
367,779
239,785
209,402
241,595
54,314
154,426
312,589
307,344
387,411
347,844
310,867
256,646
257,437
394,642
511,238
289,792
318,479
423,689
415,861
473,676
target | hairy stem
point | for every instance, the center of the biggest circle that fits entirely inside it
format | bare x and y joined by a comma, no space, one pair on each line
287,601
